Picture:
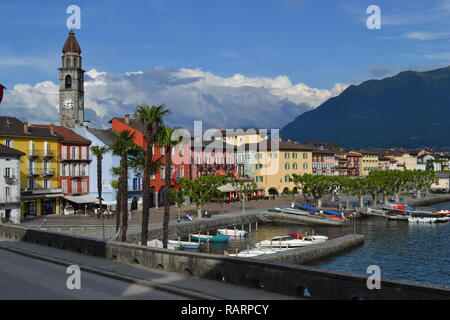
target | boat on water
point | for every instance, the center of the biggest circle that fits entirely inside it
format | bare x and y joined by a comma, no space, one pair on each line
328,213
301,236
185,244
287,242
428,219
206,238
294,211
155,243
444,212
233,233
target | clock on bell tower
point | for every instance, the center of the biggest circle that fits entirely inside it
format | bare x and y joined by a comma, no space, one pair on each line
71,84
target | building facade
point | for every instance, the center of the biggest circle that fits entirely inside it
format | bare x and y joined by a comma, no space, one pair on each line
10,184
39,168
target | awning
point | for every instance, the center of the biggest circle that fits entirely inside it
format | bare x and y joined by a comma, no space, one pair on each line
82,199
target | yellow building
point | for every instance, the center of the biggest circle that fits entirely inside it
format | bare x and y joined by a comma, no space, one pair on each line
273,166
369,162
39,168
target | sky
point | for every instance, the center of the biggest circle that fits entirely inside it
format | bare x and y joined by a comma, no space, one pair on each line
235,63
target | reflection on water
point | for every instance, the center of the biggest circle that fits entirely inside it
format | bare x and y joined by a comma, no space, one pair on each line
419,252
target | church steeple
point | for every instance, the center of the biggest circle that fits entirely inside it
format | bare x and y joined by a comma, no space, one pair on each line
71,80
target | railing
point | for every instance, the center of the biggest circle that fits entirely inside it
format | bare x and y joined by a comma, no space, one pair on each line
41,153
11,179
48,172
67,157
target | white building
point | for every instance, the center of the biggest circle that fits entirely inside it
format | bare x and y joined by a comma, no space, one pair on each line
10,184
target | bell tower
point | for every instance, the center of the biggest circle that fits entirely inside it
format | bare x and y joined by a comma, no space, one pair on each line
71,84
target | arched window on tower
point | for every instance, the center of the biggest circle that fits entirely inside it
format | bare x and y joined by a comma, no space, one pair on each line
75,62
68,62
68,82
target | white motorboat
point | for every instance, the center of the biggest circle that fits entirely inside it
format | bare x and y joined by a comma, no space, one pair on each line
233,233
427,219
185,244
287,242
158,244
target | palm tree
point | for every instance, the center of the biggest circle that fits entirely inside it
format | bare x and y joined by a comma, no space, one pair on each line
115,171
151,118
123,147
99,152
164,139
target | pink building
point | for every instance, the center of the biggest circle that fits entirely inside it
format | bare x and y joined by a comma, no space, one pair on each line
208,157
324,163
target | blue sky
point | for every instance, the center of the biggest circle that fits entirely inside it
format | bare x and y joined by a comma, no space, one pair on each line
316,42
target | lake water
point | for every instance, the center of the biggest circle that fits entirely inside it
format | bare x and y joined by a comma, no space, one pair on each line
419,252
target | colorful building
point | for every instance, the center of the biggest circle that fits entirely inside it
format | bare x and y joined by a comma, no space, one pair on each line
39,168
271,165
74,166
181,160
10,184
369,162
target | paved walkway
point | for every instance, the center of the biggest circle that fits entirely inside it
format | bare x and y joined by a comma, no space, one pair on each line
169,282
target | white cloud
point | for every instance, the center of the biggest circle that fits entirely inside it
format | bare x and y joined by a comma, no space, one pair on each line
427,35
192,94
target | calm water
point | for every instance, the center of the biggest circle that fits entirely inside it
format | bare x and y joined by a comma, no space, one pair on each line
403,251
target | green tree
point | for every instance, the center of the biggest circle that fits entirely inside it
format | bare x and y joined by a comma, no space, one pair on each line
151,118
202,189
123,147
244,188
99,152
115,172
166,139
178,196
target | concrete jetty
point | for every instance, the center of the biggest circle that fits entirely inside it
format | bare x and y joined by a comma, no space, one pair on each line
315,251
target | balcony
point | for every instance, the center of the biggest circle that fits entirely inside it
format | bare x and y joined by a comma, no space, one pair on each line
32,173
39,191
67,157
10,179
48,172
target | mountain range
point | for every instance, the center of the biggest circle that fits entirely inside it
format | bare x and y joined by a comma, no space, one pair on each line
410,109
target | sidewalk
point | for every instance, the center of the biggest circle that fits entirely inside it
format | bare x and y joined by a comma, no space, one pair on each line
188,286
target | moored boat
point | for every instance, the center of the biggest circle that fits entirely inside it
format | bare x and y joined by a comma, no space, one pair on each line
155,243
206,238
286,242
185,244
234,233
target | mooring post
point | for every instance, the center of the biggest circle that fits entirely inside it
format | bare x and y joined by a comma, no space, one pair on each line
256,226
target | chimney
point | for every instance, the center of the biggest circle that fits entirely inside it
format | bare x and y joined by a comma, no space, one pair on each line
25,127
127,119
52,131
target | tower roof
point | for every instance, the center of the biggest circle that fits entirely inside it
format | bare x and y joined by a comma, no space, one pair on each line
71,44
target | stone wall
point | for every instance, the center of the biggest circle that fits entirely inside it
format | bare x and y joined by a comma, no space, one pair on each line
278,277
